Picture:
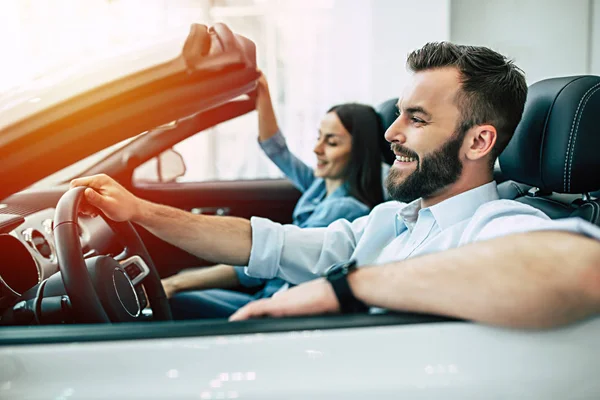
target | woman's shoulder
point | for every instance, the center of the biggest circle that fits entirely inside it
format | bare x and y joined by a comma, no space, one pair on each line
347,204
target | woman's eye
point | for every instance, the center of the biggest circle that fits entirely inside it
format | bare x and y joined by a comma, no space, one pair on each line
333,144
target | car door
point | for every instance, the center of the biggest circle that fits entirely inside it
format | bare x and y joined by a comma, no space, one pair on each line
403,356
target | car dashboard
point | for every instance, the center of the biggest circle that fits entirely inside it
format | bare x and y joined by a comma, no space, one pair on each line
27,246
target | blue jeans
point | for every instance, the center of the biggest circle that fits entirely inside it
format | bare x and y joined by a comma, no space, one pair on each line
216,303
212,303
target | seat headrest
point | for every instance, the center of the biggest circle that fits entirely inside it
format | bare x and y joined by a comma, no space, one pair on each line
388,113
554,146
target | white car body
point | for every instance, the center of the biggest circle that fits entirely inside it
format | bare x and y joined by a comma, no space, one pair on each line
425,361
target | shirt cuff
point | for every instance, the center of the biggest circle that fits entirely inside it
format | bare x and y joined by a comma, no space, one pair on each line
267,242
245,280
273,145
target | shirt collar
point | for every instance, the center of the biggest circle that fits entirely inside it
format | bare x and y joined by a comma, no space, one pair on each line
409,214
464,205
452,210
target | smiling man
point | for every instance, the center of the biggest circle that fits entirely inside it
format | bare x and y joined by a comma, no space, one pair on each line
455,117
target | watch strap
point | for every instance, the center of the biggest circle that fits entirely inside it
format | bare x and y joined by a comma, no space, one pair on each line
338,278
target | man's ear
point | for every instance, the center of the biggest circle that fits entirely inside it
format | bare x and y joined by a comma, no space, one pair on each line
480,141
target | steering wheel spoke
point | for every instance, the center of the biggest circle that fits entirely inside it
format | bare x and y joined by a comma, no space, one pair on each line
136,268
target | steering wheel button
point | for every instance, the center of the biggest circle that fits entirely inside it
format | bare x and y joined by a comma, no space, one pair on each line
133,271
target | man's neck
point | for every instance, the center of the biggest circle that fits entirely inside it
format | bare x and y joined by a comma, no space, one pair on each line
463,184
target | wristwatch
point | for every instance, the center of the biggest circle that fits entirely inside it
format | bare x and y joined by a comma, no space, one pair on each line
337,275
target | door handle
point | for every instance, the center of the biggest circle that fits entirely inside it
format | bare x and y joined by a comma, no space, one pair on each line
210,210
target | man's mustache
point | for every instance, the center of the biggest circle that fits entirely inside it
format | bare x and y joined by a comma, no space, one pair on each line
399,149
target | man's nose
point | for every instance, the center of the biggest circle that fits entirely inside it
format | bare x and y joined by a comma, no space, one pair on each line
395,133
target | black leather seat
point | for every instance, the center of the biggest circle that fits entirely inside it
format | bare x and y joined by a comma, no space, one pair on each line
551,161
388,113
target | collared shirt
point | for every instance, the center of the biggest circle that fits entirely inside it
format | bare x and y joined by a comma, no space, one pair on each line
314,208
395,231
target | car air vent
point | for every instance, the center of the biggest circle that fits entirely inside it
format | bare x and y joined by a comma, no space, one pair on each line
37,241
22,210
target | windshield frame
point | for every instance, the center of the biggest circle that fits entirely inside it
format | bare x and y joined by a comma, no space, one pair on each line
78,168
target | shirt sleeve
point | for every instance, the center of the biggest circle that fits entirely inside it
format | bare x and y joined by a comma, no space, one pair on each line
298,255
512,217
330,211
301,175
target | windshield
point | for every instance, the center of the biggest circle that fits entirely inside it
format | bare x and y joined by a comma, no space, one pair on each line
74,170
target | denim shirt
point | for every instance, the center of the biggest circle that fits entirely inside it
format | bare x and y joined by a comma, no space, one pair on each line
314,208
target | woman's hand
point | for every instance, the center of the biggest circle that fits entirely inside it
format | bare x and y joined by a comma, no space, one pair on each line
169,286
267,122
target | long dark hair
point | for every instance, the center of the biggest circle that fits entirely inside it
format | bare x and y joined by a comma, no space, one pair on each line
363,172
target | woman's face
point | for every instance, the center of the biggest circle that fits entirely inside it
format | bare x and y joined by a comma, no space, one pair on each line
333,148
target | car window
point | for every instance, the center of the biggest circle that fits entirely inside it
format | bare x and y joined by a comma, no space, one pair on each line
226,152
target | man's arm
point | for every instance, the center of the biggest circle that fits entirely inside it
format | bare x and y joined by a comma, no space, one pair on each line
531,280
217,239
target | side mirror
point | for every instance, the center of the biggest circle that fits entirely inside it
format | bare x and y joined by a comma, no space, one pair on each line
170,166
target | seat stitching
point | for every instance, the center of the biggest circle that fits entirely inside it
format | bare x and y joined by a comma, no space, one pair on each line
571,135
577,131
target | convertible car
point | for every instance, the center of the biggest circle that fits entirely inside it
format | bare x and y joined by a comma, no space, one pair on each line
72,328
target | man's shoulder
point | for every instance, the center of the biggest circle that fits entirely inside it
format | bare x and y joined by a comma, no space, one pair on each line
507,208
507,212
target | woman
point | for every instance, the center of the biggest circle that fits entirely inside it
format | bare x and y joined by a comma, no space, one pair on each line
346,184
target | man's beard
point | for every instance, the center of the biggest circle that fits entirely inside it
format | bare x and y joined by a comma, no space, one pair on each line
433,173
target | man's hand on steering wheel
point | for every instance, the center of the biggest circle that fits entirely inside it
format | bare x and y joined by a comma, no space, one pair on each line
108,196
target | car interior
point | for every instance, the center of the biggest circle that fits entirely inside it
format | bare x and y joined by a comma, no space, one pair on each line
550,164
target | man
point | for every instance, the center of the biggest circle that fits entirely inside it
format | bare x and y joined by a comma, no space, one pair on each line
456,115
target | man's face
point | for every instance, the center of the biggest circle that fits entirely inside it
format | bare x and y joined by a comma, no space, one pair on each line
424,137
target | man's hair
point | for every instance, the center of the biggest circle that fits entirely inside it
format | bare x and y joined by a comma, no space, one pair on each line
493,89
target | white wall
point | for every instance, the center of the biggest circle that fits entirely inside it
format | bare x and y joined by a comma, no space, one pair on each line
398,27
545,38
595,42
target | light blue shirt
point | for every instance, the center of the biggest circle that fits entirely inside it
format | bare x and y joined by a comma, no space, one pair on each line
395,231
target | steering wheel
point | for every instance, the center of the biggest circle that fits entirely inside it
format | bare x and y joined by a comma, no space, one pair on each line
100,288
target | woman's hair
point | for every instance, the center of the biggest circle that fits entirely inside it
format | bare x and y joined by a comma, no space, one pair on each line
363,172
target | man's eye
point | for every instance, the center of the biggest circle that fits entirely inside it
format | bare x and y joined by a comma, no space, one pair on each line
417,120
